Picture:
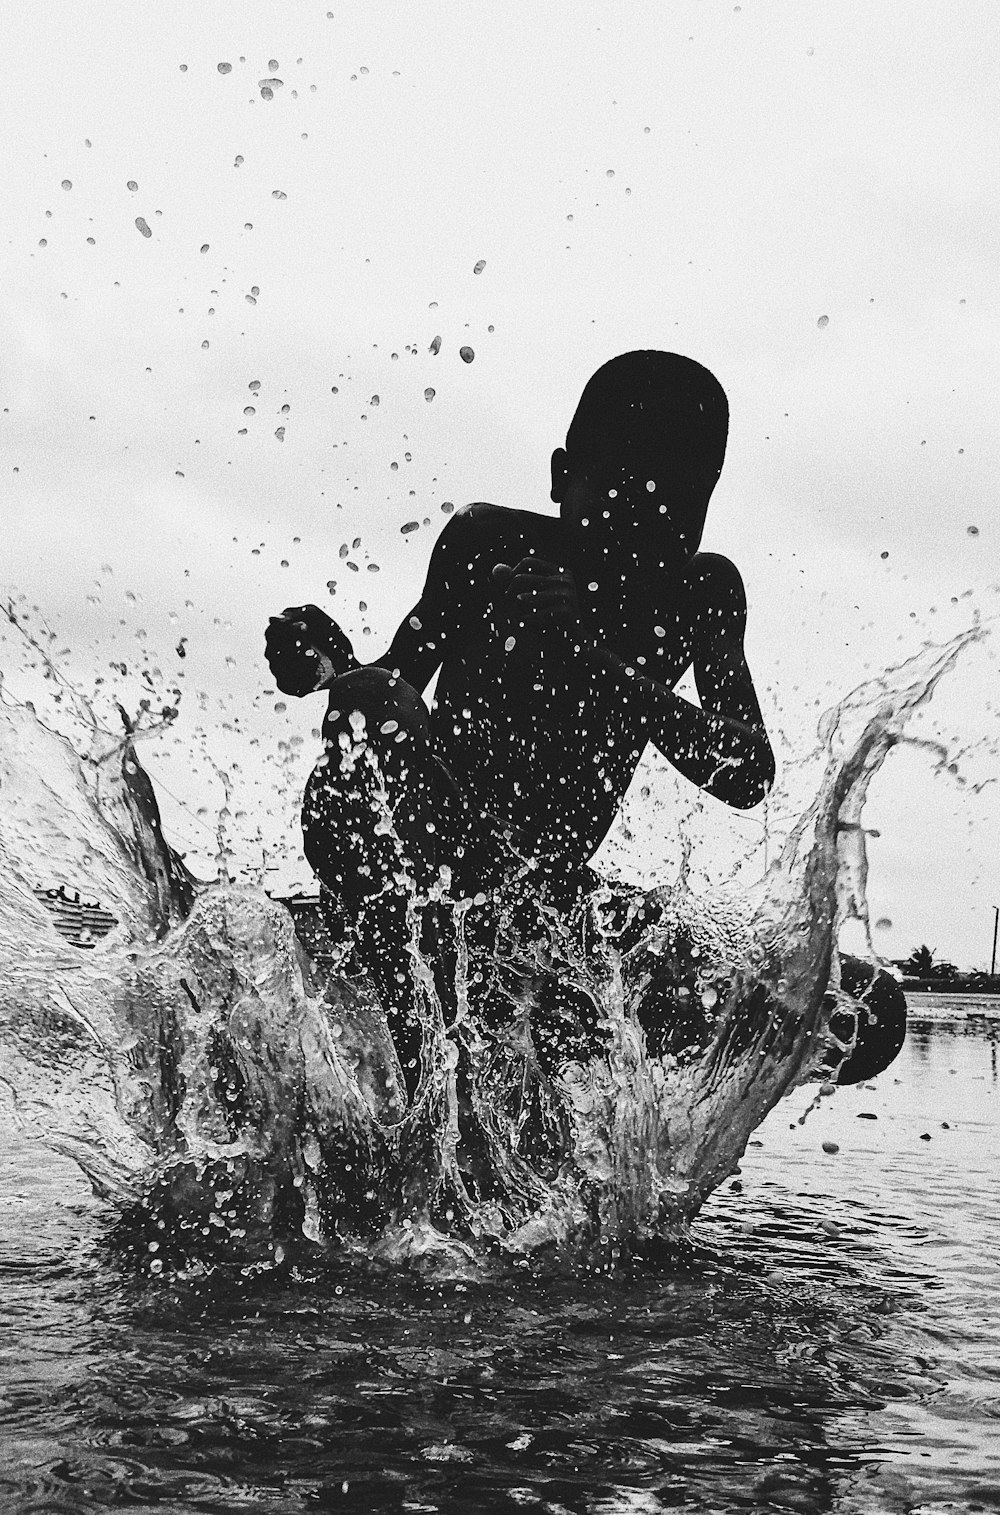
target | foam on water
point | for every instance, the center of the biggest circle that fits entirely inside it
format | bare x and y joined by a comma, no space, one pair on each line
238,1105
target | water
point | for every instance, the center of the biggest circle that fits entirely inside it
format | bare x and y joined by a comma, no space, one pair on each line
241,1109
832,1344
530,1287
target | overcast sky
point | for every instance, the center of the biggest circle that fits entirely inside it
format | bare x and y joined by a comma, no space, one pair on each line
205,289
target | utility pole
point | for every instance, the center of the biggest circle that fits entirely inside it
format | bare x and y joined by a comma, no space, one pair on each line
996,923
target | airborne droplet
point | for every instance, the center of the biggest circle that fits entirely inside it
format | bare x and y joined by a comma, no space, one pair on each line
67,184
466,354
278,194
479,266
143,227
823,322
429,395
225,68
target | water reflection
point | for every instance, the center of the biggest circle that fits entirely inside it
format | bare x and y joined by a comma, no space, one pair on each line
713,1383
828,1345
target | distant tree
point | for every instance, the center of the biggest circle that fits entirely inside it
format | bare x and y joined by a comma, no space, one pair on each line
920,963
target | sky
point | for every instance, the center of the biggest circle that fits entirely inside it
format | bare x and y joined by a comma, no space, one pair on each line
234,232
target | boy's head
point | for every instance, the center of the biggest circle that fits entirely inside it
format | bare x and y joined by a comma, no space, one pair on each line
644,452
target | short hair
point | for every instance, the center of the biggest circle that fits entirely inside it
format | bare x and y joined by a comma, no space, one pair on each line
647,407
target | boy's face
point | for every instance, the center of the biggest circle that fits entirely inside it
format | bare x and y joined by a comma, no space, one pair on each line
641,508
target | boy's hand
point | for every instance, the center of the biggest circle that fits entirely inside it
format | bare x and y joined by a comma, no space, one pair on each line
306,649
537,592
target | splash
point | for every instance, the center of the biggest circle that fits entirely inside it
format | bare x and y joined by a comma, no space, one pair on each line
584,1083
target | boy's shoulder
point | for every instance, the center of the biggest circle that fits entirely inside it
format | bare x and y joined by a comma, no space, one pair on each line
718,598
715,579
481,527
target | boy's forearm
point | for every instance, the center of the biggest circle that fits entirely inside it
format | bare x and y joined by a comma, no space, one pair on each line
729,758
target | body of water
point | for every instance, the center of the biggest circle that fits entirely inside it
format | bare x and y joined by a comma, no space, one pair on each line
832,1344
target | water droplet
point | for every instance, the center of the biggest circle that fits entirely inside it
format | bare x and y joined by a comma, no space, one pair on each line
823,322
508,646
280,433
466,354
224,68
650,486
435,346
204,247
479,266
143,226
409,526
254,386
831,1147
883,923
278,194
374,401
429,395
710,999
883,554
447,506
67,184
972,531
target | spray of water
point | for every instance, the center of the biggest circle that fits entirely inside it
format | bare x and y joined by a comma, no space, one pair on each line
237,1104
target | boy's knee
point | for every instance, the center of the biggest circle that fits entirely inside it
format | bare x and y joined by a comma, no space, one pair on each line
374,706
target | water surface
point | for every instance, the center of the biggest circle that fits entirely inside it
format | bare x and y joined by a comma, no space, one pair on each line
833,1344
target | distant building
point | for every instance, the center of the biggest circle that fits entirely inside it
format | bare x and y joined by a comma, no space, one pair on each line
84,923
79,922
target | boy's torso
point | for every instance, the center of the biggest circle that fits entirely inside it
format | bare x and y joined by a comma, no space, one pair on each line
531,731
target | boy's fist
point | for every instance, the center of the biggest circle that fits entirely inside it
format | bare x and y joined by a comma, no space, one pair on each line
306,649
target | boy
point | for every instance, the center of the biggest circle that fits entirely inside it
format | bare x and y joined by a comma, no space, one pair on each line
557,643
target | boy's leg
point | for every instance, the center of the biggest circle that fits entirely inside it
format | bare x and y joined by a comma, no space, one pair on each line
370,820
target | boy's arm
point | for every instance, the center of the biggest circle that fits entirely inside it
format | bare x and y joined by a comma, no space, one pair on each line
306,649
423,635
721,746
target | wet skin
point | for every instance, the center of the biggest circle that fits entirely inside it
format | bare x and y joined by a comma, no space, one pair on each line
558,643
